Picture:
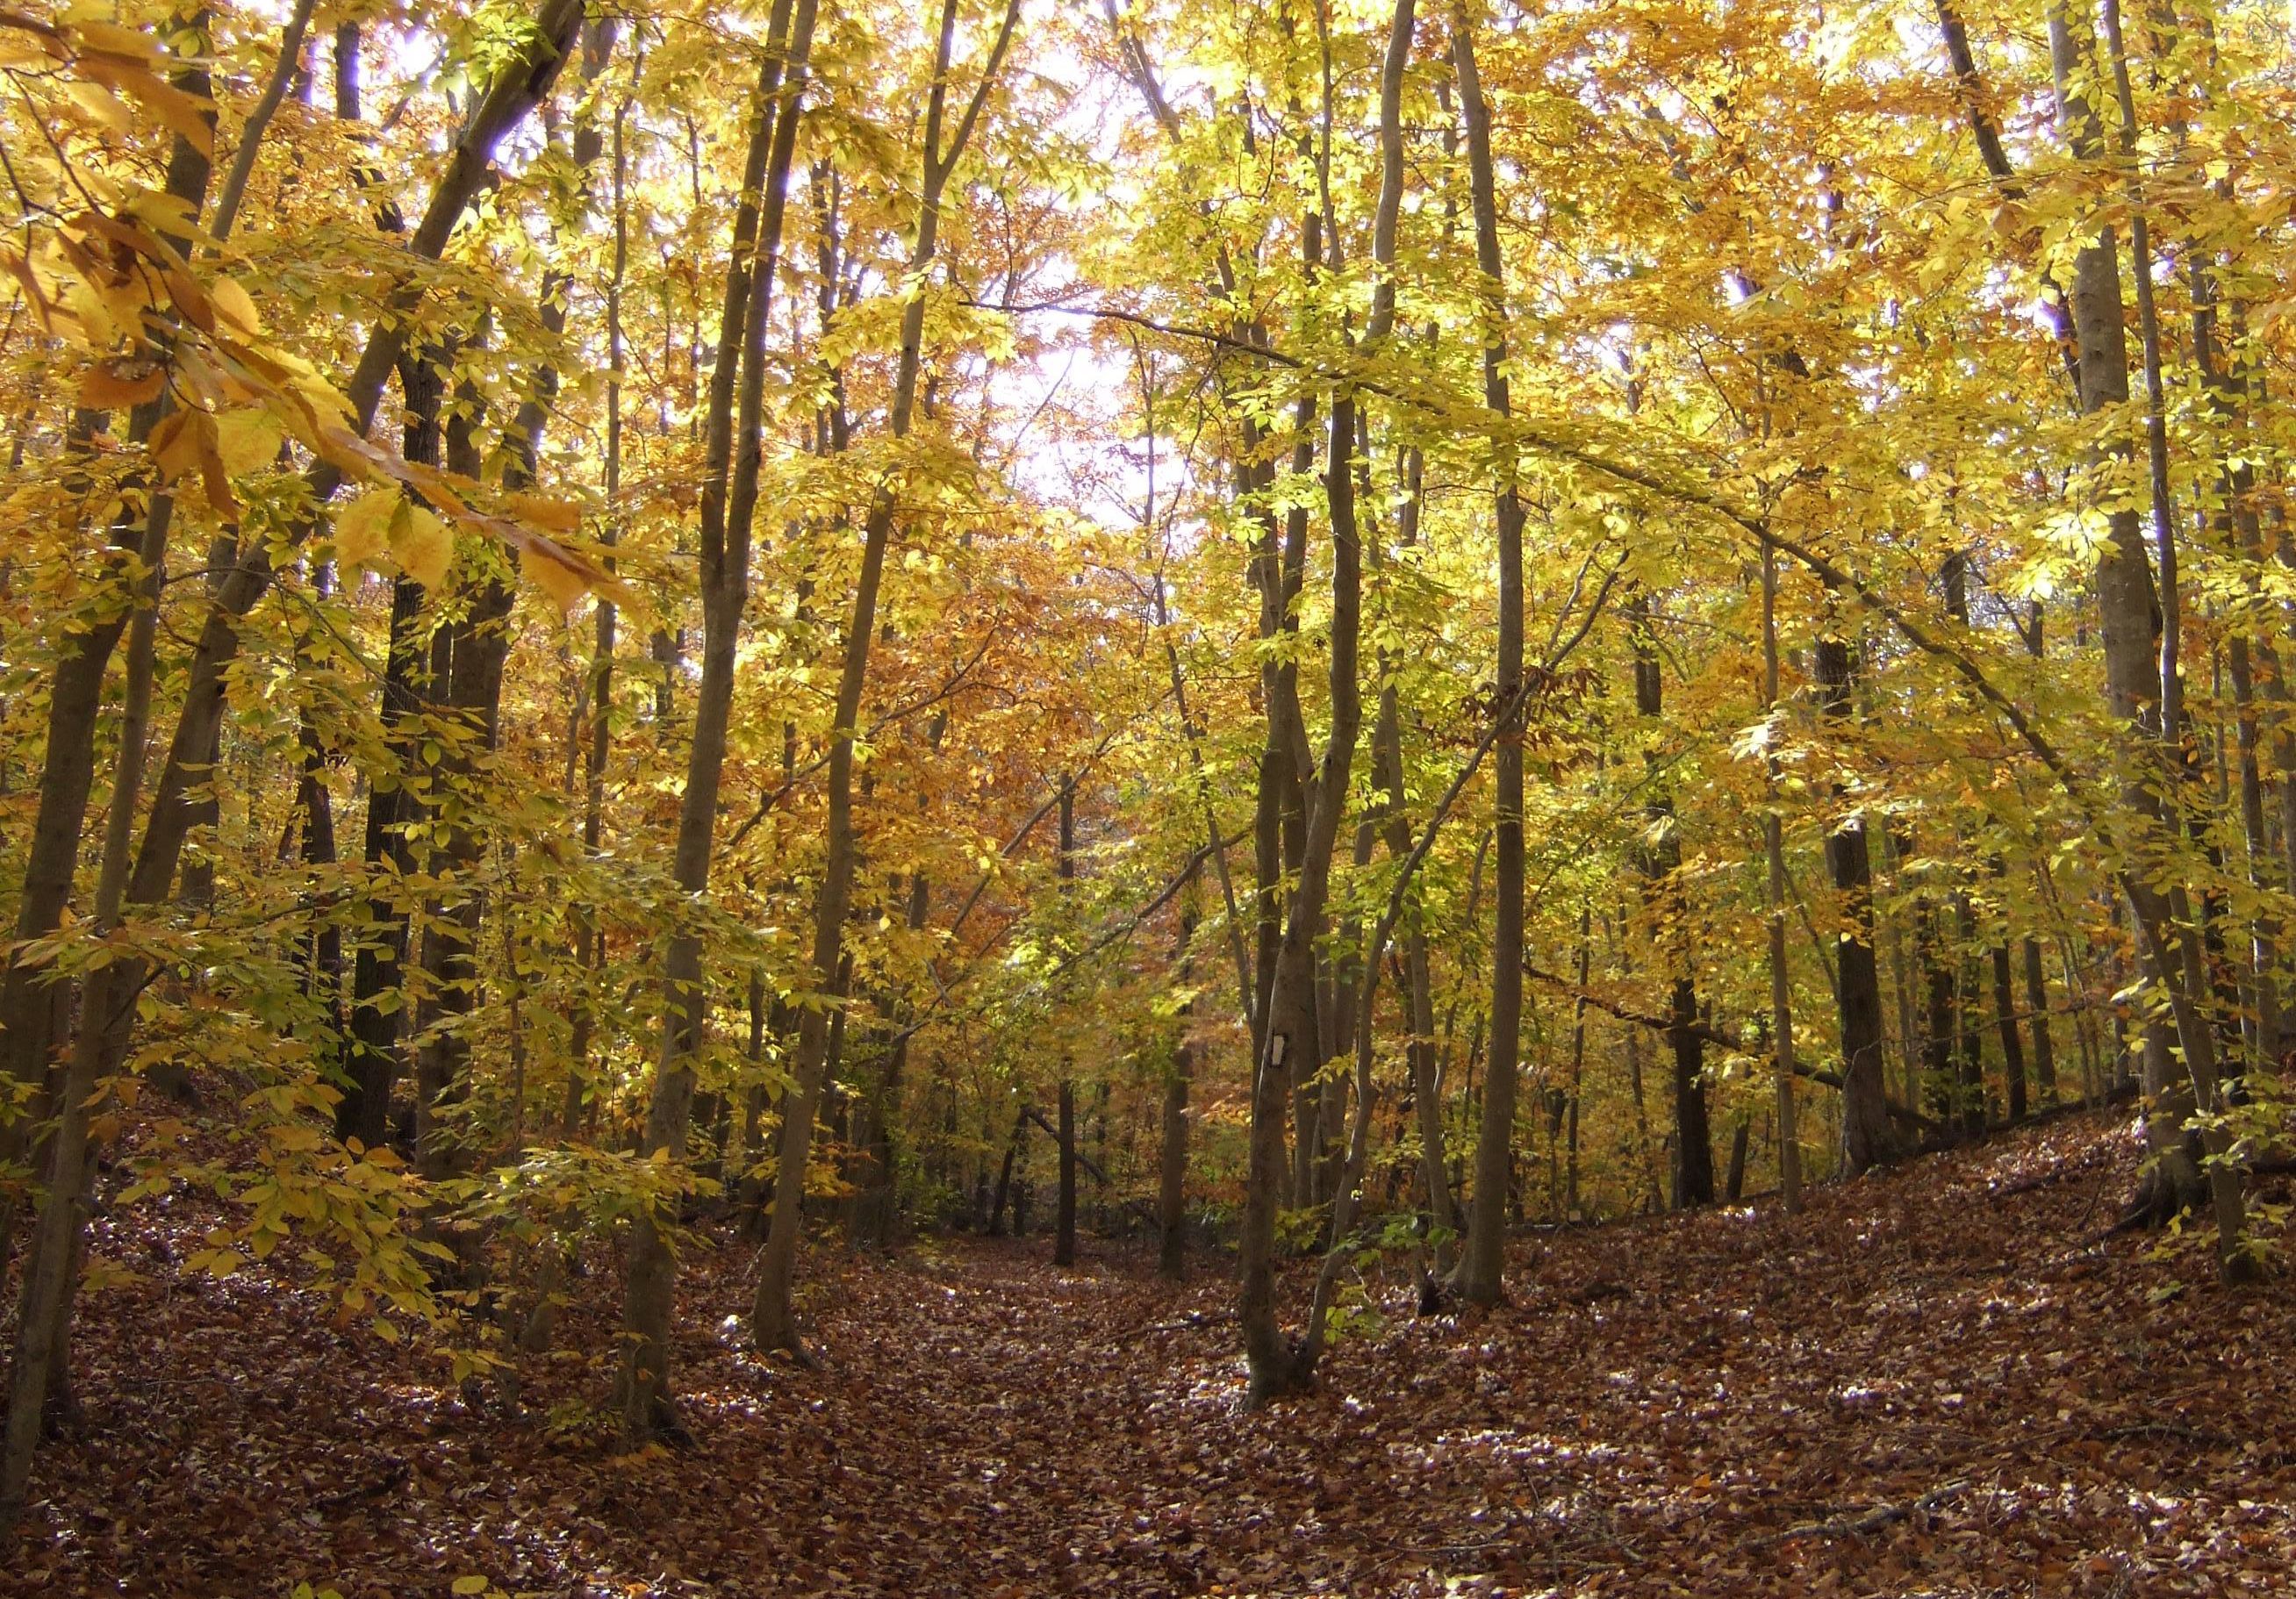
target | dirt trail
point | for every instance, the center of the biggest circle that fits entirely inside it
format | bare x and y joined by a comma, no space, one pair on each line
1916,1389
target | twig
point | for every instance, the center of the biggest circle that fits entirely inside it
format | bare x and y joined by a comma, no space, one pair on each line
2176,1430
1873,1520
375,1489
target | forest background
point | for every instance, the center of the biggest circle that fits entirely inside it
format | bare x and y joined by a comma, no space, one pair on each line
1379,622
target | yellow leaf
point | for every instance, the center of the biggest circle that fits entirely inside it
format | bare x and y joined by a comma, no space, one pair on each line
113,39
191,298
247,439
470,1585
550,515
549,571
176,445
104,106
16,50
363,527
232,304
187,114
43,307
423,549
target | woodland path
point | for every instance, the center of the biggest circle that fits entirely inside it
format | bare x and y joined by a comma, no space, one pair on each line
1931,1374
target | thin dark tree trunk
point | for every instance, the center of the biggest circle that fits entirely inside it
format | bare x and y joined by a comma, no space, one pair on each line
729,495
522,85
1782,1040
1005,1176
379,967
33,1007
1969,1092
1693,1156
2005,1017
2036,982
1867,1137
1064,1218
2129,610
1172,1168
772,1312
1479,1277
1276,1365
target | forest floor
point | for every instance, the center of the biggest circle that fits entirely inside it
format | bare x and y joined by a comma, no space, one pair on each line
1938,1382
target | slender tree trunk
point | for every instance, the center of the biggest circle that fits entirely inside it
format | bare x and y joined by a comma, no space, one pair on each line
1479,1277
522,83
598,746
2013,1044
38,1370
1969,1091
379,968
1867,1137
2037,1002
2036,982
258,121
33,1006
467,679
729,498
1420,1052
1064,1218
39,1375
1172,1161
1577,1068
2127,607
1781,978
1005,1176
771,1317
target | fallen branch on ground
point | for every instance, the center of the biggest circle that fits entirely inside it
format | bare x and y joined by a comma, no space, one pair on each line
1873,1520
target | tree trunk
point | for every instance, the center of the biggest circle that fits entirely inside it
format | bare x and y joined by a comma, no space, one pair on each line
379,969
33,1007
1172,1164
1479,1277
771,1315
1420,1054
1867,1137
1172,1156
523,81
1661,866
1064,1217
2004,1016
1781,978
39,1369
2128,608
729,497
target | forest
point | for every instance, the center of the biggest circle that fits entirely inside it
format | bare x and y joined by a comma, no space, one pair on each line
1250,797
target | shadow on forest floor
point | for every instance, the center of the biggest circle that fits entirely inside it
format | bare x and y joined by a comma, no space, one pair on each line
1937,1382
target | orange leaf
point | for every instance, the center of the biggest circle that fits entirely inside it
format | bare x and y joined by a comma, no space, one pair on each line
121,380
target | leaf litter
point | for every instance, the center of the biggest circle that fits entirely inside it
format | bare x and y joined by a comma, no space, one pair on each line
1942,1380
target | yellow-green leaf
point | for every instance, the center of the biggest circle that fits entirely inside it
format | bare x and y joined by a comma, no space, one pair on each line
247,439
423,547
363,527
